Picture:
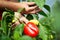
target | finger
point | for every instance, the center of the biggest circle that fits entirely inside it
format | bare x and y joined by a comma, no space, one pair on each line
38,8
31,3
17,15
38,11
16,23
31,8
23,19
34,11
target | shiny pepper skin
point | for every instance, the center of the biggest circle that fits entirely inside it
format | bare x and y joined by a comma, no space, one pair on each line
31,29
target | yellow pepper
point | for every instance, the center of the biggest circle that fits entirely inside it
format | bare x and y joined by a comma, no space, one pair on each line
34,21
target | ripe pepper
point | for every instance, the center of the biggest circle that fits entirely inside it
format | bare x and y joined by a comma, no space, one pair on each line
35,21
31,29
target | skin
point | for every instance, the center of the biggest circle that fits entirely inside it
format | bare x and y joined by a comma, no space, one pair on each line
30,7
16,5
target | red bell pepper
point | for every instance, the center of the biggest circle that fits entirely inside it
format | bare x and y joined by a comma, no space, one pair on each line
31,29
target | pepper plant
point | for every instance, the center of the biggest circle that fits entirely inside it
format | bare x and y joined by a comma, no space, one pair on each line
35,29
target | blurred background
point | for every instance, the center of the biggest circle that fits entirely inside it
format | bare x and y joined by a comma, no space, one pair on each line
55,12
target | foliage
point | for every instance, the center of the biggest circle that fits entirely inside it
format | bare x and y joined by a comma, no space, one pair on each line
8,32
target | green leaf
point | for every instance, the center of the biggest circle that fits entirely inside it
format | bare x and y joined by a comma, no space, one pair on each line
8,15
32,16
0,23
43,13
25,38
40,3
1,28
45,21
35,16
29,17
10,11
30,0
4,37
6,19
4,14
47,7
19,29
42,20
43,32
16,35
4,25
34,38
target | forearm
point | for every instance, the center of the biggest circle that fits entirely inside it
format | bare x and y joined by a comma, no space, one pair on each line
9,5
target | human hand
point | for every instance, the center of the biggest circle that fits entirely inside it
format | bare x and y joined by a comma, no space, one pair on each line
18,18
30,7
